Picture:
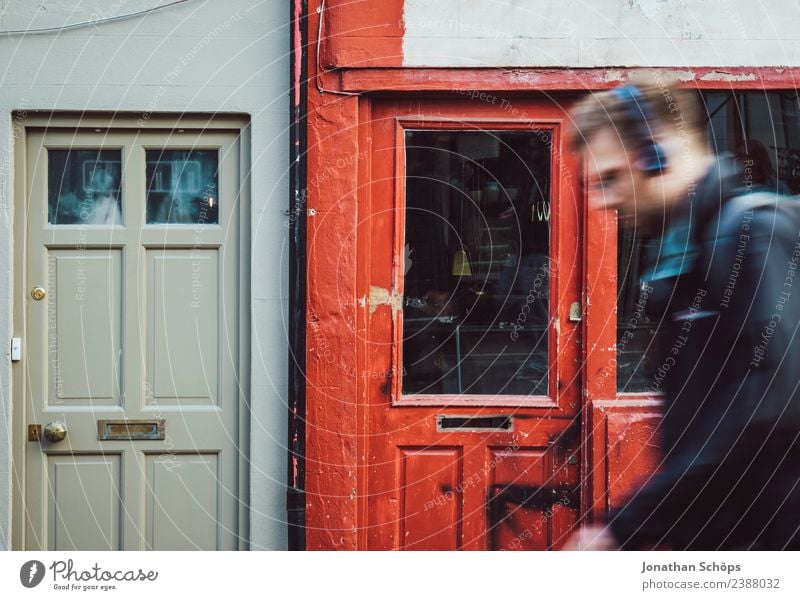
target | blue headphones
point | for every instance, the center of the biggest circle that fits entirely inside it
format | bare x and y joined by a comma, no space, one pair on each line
651,157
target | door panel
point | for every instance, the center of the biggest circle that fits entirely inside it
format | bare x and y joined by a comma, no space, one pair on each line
134,238
431,506
176,281
177,482
472,433
84,311
87,485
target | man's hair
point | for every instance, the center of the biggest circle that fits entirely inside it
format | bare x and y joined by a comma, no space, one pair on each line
666,107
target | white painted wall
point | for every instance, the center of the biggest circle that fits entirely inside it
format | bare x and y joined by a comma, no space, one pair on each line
601,33
199,56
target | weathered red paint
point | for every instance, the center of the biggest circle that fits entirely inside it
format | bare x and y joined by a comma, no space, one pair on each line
352,429
626,448
428,489
352,424
556,79
599,380
331,395
362,33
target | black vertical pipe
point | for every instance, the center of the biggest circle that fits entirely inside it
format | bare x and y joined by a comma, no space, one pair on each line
295,495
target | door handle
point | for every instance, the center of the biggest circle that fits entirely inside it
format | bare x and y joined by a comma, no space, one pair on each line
38,293
55,431
575,312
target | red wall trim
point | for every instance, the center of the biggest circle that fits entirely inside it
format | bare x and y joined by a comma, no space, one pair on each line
331,322
362,33
561,79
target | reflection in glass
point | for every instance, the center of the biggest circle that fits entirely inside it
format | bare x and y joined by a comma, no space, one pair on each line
760,128
182,186
477,270
637,334
83,187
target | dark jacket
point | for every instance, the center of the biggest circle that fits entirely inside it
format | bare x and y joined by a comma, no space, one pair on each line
726,290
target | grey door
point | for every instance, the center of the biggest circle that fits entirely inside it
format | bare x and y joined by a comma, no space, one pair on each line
131,338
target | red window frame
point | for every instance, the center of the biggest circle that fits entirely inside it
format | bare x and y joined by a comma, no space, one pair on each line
560,297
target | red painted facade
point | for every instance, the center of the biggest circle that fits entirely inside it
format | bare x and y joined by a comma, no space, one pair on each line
428,488
363,441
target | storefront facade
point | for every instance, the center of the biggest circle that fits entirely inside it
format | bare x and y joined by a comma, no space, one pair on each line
479,372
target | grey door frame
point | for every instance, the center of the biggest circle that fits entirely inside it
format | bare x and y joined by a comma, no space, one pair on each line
93,121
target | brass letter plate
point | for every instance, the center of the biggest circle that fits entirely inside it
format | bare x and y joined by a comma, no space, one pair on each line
130,429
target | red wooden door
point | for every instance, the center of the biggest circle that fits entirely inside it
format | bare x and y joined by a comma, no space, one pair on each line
469,356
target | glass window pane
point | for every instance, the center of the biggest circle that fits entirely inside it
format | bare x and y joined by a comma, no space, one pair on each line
182,186
83,187
477,268
762,129
637,335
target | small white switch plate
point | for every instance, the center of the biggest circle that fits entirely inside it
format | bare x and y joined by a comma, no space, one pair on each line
16,349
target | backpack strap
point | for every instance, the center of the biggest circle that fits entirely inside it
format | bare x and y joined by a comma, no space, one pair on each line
731,215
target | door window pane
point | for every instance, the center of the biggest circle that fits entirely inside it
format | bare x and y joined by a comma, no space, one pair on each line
83,187
182,186
477,268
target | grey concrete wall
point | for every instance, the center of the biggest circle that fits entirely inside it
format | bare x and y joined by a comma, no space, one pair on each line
601,33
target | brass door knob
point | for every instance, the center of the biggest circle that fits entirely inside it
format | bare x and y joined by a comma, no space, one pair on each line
55,431
38,293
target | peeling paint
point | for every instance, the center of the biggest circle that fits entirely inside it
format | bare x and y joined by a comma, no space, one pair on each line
723,76
650,9
670,74
379,296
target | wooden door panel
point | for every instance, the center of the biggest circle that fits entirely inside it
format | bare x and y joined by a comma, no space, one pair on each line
533,498
180,373
182,510
460,470
139,322
86,485
516,477
85,365
431,487
453,490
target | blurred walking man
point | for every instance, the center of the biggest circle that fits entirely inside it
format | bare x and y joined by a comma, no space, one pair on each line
726,292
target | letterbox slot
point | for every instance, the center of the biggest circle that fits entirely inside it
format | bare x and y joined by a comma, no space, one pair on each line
131,429
474,423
